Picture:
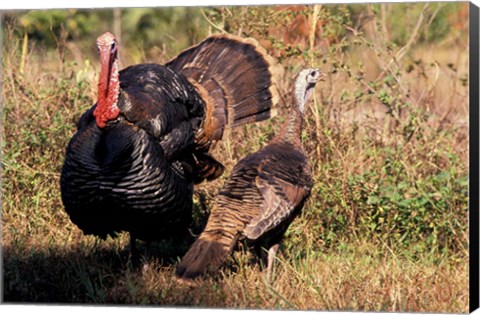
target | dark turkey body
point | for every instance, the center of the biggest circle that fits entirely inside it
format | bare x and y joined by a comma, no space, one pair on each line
133,175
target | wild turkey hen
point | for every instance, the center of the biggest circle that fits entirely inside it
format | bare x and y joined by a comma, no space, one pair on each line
262,196
133,162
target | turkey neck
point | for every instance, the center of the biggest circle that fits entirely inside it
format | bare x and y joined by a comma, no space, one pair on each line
108,88
292,129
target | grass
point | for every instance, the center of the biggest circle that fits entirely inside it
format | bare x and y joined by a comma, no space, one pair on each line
385,229
354,278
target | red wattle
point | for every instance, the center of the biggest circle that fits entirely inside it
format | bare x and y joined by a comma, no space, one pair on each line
103,115
108,90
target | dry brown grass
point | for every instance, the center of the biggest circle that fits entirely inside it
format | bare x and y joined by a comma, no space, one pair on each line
359,278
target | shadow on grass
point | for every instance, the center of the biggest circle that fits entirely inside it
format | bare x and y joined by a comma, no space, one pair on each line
101,274
91,271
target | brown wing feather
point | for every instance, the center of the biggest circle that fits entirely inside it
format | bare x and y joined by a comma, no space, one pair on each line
280,200
206,167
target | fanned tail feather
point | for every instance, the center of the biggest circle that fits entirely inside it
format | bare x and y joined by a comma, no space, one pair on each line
234,76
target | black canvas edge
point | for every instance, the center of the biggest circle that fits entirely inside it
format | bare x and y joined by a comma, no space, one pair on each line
474,158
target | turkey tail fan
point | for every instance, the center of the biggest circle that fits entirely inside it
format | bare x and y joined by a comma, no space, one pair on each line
206,255
234,76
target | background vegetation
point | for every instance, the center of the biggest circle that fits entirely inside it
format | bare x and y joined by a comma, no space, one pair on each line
386,226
